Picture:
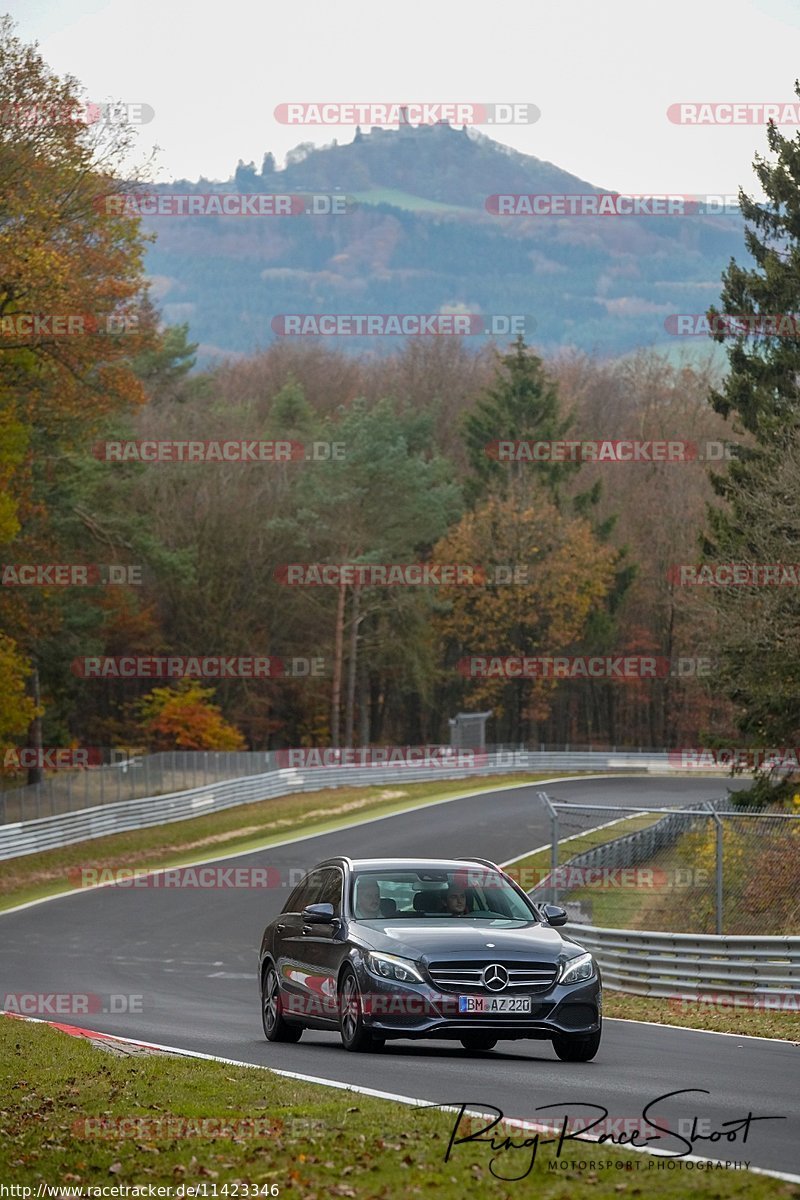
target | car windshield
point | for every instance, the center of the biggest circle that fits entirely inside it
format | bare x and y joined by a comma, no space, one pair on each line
462,893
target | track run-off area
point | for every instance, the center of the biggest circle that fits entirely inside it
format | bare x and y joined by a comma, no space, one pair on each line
182,963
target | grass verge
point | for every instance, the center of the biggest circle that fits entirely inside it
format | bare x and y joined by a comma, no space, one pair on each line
529,869
694,1014
245,827
408,201
319,1142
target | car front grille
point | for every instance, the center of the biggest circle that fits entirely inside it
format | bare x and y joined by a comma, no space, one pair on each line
465,975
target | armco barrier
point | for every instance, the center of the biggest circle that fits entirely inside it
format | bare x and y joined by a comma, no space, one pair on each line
764,971
64,829
139,776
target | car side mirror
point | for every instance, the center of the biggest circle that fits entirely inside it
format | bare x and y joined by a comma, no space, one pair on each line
554,914
318,914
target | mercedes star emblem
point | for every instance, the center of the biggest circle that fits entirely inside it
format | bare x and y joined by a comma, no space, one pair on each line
495,977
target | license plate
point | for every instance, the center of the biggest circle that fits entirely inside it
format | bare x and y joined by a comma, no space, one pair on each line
494,1004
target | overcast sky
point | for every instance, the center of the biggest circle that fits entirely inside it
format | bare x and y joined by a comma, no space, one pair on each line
603,75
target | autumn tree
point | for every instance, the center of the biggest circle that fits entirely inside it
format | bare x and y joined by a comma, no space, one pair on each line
567,574
17,707
71,284
183,718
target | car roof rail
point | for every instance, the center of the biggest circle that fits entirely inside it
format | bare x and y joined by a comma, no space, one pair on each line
485,862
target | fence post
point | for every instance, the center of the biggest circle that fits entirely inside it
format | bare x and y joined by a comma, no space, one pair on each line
720,831
553,846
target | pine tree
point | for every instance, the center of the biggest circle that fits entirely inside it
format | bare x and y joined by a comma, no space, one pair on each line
759,521
522,405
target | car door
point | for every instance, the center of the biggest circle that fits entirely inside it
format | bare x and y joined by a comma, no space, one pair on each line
290,947
324,947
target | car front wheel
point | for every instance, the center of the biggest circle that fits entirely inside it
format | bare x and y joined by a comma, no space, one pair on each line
571,1048
355,1036
275,1028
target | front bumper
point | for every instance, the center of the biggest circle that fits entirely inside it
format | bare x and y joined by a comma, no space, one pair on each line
392,1009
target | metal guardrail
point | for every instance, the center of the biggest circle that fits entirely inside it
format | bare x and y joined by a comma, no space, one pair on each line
758,970
65,828
139,776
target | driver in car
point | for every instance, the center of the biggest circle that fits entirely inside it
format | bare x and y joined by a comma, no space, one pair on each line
368,900
456,901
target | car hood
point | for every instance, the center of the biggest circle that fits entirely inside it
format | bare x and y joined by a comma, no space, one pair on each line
450,937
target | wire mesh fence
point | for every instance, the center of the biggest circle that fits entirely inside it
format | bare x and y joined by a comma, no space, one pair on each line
701,869
142,775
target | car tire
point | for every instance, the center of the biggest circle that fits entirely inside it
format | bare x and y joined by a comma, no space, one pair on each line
571,1048
355,1035
478,1041
276,1029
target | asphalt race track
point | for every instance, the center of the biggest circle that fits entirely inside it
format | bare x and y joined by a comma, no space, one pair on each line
190,954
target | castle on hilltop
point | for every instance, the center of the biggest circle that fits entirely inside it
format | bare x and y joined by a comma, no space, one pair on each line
406,129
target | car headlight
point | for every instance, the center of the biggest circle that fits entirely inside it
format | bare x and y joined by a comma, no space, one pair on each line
575,970
388,967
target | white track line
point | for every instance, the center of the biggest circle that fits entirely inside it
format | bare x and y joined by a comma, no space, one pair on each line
398,1098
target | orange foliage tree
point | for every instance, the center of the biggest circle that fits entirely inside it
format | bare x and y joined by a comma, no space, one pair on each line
567,575
182,718
71,291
